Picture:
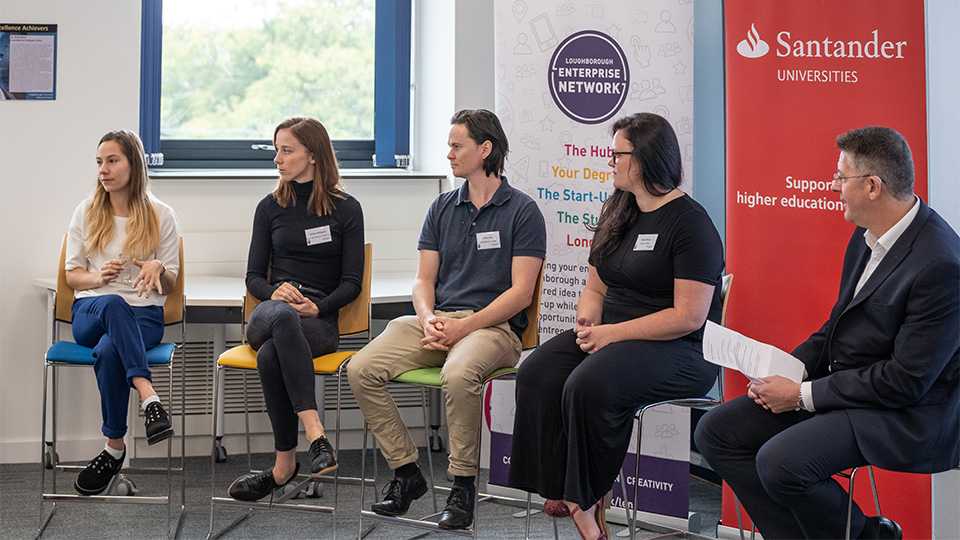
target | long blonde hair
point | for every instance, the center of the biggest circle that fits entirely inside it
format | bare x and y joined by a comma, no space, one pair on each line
326,174
143,227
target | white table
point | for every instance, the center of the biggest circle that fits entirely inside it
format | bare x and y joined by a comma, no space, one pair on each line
223,291
213,298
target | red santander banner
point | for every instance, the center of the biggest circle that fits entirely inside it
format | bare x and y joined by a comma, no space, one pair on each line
799,73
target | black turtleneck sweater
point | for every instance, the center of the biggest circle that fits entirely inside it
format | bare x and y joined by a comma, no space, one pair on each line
332,265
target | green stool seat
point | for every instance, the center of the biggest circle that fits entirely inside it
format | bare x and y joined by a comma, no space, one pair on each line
431,376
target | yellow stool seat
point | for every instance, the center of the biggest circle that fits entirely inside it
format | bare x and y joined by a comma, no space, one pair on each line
244,357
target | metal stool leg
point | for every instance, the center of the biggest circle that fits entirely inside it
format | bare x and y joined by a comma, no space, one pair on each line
433,479
363,481
753,529
873,488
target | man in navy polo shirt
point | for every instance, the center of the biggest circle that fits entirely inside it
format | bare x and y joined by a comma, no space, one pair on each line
481,249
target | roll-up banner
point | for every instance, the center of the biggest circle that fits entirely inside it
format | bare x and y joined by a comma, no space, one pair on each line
799,73
564,72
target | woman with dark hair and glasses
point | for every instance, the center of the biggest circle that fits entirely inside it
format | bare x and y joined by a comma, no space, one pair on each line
656,263
305,263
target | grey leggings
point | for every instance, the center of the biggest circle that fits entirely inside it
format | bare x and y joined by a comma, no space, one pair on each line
286,345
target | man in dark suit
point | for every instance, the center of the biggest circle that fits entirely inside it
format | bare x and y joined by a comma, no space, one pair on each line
882,383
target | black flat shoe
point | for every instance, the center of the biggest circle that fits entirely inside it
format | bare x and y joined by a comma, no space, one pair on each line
253,487
399,493
98,474
157,422
321,456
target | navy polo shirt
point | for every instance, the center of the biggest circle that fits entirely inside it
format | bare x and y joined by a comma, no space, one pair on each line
476,247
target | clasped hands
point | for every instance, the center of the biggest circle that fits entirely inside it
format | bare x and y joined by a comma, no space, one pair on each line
592,338
148,279
776,394
292,295
441,333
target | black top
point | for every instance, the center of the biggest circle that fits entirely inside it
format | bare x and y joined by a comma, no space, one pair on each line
676,241
324,254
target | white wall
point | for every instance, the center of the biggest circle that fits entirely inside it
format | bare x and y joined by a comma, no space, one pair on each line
48,149
47,165
47,152
943,109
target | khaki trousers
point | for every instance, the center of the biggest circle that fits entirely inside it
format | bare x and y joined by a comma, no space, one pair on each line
464,366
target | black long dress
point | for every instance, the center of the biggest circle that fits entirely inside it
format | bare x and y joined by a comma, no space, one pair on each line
575,411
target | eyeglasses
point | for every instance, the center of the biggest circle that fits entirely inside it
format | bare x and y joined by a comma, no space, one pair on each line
838,180
617,154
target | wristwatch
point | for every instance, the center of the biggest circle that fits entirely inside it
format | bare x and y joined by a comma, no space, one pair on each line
800,401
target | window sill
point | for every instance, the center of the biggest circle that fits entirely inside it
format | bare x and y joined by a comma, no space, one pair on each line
271,174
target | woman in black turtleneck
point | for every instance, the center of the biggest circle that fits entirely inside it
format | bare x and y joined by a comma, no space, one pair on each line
305,263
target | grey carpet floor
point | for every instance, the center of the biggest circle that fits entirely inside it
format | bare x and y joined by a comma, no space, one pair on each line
20,508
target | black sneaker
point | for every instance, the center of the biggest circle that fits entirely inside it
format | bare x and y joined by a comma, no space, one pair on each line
399,493
458,514
321,456
97,475
157,422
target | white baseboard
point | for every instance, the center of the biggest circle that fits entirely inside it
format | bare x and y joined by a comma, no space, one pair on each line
733,533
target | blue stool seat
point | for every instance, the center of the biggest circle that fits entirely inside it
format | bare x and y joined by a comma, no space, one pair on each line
68,352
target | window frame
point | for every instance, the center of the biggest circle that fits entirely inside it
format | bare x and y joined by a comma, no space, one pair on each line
390,147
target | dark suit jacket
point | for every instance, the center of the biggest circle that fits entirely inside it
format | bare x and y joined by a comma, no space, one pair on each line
890,357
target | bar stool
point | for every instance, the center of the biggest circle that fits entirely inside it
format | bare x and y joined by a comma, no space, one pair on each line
64,354
429,378
847,475
354,319
705,402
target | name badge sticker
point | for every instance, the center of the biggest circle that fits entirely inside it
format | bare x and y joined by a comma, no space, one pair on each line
488,240
318,235
645,242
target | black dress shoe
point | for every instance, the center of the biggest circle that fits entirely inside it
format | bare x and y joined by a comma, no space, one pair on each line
321,456
399,493
458,514
253,487
880,528
888,529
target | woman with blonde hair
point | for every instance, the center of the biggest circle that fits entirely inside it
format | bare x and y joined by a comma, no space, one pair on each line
122,258
305,263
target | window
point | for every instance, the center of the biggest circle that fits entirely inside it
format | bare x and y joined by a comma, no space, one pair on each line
219,75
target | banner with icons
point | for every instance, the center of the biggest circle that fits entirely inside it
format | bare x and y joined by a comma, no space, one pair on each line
565,71
798,75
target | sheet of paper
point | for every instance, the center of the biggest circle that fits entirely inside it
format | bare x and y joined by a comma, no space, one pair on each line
754,359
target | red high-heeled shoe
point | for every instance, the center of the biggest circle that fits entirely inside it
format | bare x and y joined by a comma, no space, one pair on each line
600,514
555,508
599,511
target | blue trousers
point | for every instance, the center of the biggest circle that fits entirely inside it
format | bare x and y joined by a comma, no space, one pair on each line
286,345
780,466
119,335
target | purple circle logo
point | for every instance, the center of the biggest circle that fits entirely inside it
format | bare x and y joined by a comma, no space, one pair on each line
589,77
